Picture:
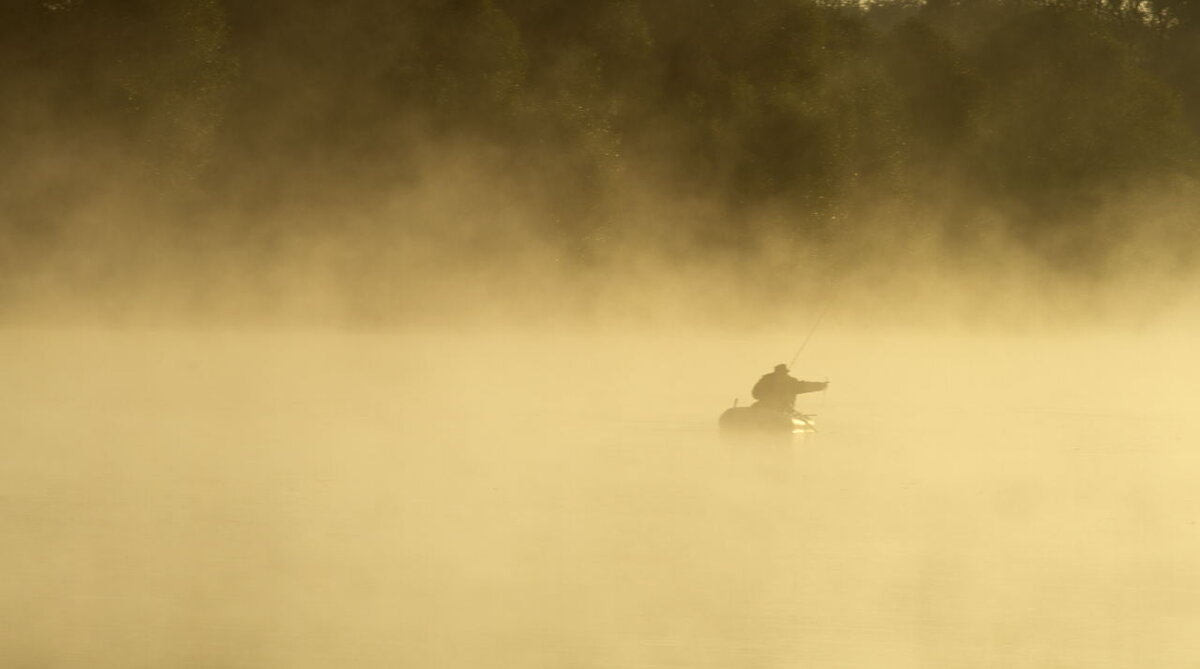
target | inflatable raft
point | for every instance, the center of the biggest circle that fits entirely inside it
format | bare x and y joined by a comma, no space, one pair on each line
758,421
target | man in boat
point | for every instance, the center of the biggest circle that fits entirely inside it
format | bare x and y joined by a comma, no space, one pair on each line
778,389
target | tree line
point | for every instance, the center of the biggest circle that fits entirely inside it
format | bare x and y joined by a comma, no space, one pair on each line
1038,109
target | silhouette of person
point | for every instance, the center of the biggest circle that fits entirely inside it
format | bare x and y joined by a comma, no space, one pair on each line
777,390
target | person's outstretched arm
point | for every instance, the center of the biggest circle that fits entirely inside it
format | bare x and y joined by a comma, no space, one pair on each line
810,386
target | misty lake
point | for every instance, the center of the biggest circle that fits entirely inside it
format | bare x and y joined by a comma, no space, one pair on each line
277,499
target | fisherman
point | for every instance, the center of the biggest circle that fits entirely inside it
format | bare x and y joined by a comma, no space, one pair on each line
778,389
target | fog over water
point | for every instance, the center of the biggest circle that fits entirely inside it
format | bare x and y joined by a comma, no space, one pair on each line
395,334
514,499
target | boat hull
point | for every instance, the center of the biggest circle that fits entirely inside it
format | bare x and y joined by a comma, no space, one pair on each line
754,421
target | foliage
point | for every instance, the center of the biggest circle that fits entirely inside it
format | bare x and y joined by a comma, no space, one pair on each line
1037,108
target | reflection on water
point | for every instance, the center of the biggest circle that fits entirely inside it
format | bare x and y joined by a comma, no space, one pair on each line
381,501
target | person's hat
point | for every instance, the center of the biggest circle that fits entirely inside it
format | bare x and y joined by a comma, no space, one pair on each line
781,367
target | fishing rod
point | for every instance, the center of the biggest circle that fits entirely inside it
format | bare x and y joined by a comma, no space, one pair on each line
816,324
813,329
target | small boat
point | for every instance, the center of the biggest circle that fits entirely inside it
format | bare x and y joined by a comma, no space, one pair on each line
759,421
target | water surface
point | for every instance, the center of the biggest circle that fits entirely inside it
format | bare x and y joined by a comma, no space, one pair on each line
277,499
